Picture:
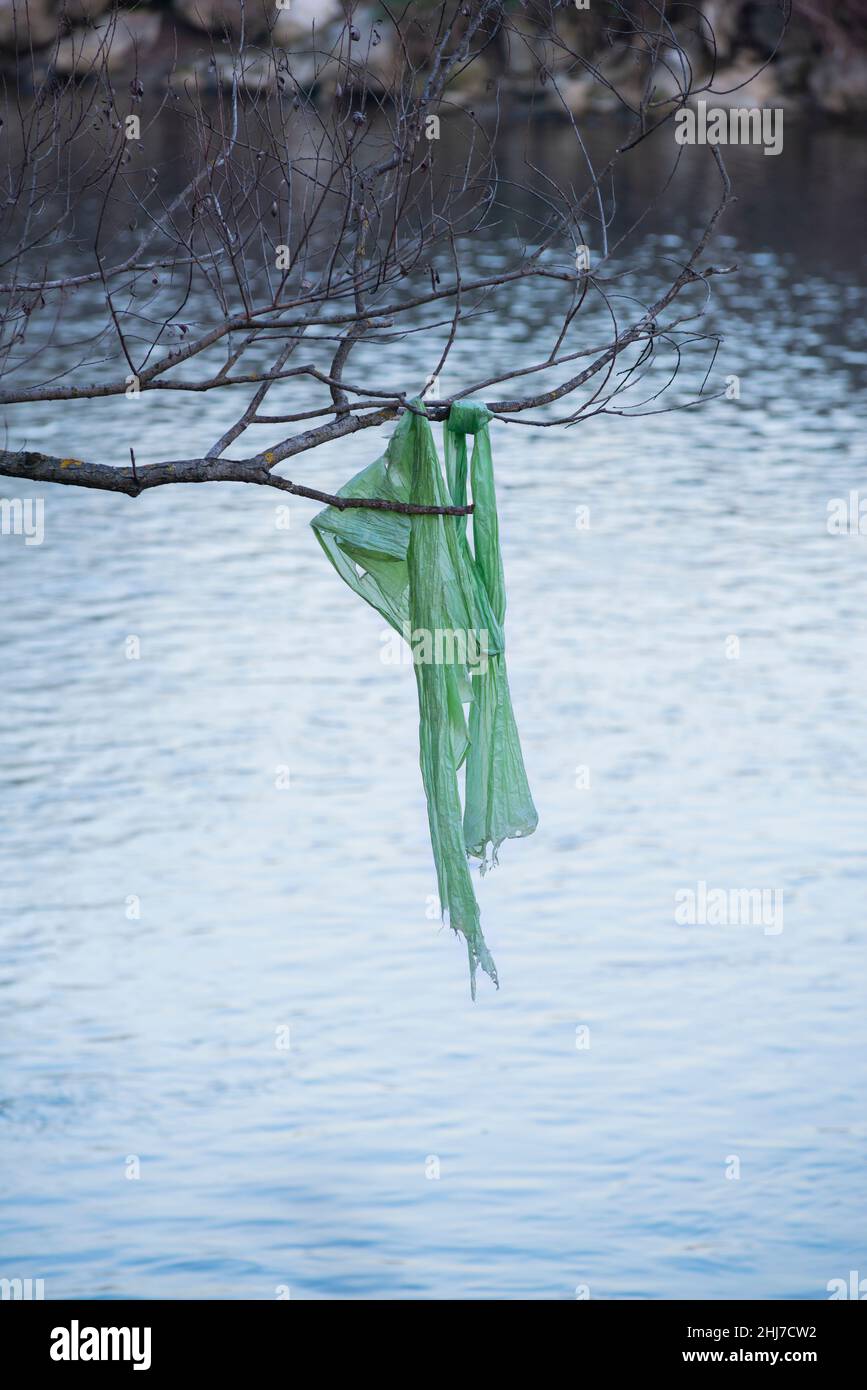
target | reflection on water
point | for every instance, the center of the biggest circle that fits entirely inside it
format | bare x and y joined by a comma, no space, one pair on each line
168,912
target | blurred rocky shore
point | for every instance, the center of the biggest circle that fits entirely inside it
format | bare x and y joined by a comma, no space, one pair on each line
821,65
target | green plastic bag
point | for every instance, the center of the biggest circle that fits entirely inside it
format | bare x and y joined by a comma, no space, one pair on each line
448,599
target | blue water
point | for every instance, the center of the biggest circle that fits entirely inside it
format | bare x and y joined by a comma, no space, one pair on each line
169,912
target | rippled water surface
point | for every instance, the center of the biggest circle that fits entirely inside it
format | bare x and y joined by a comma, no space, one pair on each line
158,1037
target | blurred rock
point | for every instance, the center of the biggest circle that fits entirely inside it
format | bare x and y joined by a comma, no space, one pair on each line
222,18
375,50
80,11
530,51
740,85
319,50
473,85
298,20
838,83
624,74
115,44
822,62
679,68
792,73
303,37
765,26
300,73
724,18
577,93
255,75
27,22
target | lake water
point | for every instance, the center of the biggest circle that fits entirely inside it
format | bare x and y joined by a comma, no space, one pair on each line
238,1056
